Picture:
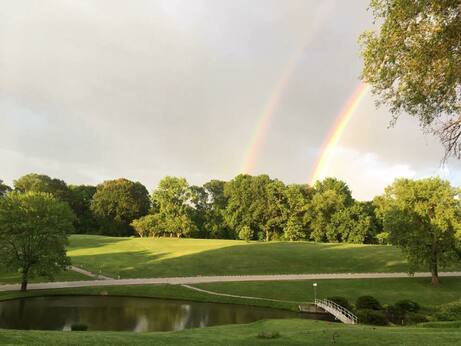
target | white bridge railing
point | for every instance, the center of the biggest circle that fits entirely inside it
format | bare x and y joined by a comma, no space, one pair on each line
338,311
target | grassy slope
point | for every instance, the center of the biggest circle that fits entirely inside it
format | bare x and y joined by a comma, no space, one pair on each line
135,257
293,332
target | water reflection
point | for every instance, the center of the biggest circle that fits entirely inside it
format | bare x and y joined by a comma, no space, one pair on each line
127,314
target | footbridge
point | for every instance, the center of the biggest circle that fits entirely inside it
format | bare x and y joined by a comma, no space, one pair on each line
338,311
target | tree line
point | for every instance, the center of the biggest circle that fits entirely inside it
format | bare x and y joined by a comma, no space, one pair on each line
422,217
246,207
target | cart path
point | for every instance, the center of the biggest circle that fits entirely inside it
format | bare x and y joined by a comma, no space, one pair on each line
207,279
236,296
89,274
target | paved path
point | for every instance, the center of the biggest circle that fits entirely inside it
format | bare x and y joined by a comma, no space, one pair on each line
236,296
90,274
207,279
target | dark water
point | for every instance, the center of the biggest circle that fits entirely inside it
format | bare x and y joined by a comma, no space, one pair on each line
127,313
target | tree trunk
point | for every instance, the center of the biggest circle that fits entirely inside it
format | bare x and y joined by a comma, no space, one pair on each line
434,264
25,279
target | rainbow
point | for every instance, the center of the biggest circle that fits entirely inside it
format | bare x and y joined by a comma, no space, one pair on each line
264,120
341,122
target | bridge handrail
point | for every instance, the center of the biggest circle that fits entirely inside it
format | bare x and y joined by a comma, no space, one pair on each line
337,307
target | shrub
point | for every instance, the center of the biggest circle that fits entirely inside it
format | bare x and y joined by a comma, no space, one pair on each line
374,317
395,314
268,335
414,318
449,312
368,302
407,305
78,327
245,233
383,238
341,301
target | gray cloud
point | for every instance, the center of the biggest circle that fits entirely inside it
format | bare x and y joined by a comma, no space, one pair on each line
91,90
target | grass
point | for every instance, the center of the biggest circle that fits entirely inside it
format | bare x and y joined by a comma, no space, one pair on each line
7,277
167,257
292,332
387,291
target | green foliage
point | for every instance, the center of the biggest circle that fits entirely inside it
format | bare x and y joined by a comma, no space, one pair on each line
245,233
149,225
42,183
4,189
329,197
117,203
449,312
354,224
80,202
407,305
373,317
173,197
422,217
341,301
294,229
33,234
383,238
368,302
413,61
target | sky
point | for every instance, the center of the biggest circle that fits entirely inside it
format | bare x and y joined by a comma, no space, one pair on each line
93,90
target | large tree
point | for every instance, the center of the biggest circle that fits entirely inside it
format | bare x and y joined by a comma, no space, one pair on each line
215,224
117,203
80,202
423,217
413,63
173,200
329,197
33,234
247,205
34,182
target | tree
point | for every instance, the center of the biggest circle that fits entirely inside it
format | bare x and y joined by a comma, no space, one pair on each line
329,197
117,203
294,229
42,183
215,224
354,224
245,233
4,189
413,62
80,202
422,217
149,225
173,199
247,205
33,234
298,199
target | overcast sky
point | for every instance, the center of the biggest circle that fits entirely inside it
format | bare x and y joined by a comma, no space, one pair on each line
94,90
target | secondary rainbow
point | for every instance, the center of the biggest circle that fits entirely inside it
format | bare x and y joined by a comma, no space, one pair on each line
342,120
264,121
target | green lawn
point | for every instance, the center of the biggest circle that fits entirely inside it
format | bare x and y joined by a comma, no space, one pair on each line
292,332
7,277
387,291
164,257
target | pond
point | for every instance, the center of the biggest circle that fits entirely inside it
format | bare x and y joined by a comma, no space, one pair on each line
129,313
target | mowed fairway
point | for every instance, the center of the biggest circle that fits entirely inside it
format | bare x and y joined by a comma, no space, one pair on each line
170,257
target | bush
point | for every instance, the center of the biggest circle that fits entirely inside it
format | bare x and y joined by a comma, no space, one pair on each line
78,327
374,317
368,302
245,233
268,335
415,318
341,301
407,305
449,312
395,314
